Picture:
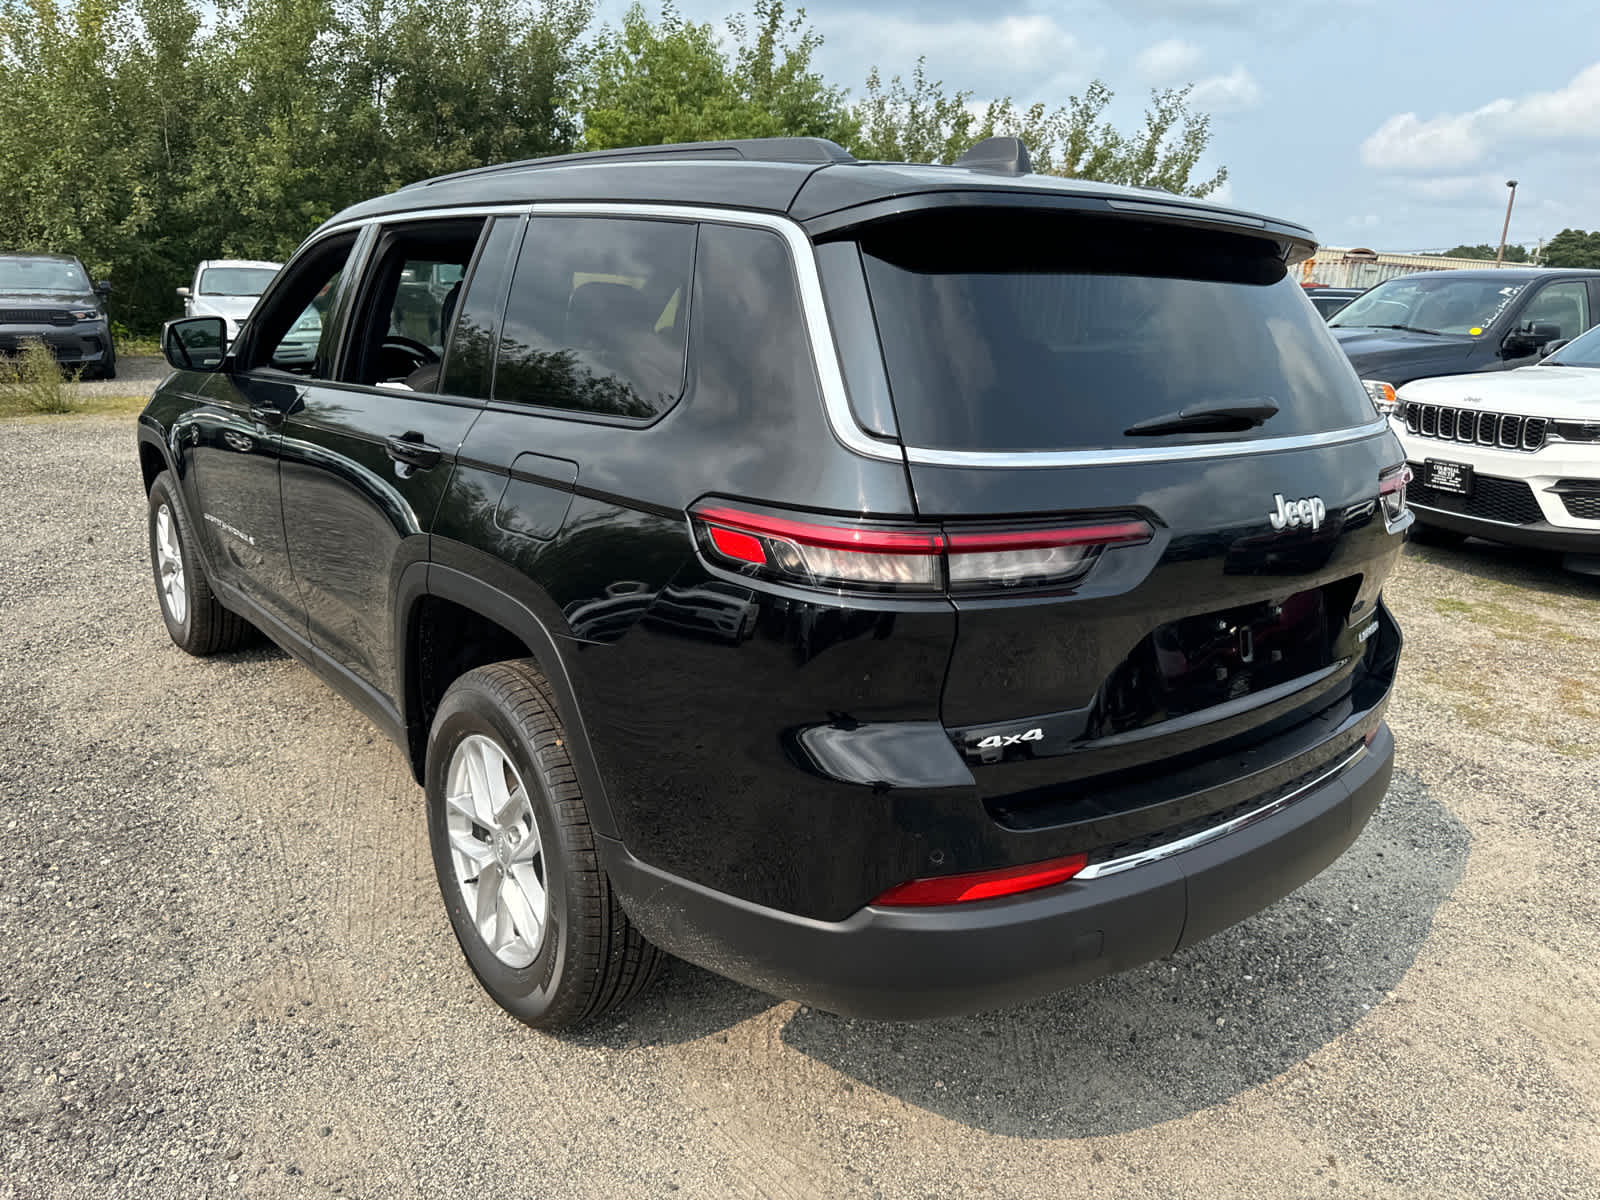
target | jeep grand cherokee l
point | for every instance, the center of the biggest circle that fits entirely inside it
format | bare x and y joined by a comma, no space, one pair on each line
907,589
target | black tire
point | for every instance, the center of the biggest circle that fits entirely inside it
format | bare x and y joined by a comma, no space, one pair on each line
205,626
1432,535
589,958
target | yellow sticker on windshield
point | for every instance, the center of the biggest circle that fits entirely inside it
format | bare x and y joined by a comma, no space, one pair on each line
1475,331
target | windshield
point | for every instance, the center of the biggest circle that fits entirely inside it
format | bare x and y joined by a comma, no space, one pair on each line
1051,331
1579,352
235,281
1430,305
22,274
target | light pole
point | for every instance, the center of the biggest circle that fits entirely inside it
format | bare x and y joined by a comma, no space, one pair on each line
1510,200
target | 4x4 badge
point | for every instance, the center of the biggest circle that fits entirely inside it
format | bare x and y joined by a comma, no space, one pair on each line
1293,513
995,740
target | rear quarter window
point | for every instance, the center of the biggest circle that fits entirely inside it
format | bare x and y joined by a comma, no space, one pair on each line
597,321
1016,331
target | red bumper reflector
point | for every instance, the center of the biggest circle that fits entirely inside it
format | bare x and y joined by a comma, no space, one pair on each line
982,885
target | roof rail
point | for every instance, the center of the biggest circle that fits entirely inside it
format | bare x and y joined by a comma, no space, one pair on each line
819,151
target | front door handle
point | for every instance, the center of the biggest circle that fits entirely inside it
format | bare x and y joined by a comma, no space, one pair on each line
271,418
409,448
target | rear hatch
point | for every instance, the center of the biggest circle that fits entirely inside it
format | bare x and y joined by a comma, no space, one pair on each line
1054,370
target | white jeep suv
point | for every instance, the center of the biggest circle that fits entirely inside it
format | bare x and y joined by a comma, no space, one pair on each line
1511,456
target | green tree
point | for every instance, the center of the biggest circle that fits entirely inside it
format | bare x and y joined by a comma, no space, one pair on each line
1572,248
672,81
1483,250
921,122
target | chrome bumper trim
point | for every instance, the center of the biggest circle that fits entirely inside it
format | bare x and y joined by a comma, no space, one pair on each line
1116,866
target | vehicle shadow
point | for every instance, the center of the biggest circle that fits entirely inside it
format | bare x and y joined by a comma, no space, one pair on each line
1150,1045
1532,570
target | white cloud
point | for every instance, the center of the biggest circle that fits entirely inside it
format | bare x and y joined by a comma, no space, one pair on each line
1233,92
1039,54
1454,140
1171,61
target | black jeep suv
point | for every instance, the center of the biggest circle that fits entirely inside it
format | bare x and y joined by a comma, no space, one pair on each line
48,298
908,589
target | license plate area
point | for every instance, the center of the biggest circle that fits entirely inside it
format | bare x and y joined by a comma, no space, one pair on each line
1445,476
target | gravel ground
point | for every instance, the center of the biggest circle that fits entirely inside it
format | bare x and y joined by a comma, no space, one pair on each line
224,968
135,373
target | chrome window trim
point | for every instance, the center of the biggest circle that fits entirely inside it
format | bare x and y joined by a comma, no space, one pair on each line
1121,456
825,354
1128,862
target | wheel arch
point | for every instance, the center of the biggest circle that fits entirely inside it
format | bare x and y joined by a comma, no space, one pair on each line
448,622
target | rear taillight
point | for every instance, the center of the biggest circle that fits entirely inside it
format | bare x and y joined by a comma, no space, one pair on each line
1392,493
833,553
982,885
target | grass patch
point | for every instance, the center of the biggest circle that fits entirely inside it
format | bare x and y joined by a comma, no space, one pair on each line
137,346
1492,615
32,382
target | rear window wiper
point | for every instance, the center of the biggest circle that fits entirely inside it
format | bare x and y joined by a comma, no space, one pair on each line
1218,418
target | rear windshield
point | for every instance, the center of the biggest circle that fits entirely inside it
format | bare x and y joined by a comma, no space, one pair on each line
1048,331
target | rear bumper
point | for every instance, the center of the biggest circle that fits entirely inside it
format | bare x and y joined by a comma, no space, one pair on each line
907,964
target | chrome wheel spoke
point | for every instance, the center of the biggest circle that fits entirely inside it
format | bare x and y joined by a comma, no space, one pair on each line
513,808
473,849
529,847
525,900
488,899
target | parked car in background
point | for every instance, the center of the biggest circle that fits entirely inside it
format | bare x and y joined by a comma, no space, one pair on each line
1512,457
1074,654
1329,300
227,288
48,298
1454,322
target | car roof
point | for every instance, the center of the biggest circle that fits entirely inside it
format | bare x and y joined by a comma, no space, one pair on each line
66,258
1523,274
208,263
803,178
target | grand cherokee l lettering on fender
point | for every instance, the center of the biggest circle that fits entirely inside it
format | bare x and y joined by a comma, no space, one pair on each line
856,578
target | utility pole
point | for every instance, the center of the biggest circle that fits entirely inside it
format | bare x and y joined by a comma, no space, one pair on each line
1510,200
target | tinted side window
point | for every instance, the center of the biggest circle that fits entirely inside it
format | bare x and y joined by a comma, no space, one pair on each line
293,331
1565,305
752,359
469,359
598,320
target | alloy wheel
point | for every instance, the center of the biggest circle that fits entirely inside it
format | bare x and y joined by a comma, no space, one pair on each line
499,860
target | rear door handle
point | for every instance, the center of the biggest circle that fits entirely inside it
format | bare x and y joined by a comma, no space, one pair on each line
409,448
271,418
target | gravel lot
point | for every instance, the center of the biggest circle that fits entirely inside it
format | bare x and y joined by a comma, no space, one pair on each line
224,968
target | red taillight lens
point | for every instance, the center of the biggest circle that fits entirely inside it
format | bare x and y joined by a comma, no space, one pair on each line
982,885
825,552
821,553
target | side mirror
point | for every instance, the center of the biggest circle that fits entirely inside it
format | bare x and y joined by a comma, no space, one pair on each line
103,288
1556,345
1522,342
195,343
183,293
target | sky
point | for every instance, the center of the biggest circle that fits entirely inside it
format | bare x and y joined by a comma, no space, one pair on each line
1392,124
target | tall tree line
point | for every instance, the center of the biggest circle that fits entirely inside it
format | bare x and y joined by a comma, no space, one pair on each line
145,135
